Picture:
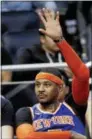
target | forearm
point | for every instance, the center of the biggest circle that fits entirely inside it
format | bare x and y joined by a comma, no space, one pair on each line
80,84
78,68
7,132
25,131
88,117
77,136
6,76
80,91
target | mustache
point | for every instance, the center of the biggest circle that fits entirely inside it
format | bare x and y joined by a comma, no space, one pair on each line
42,94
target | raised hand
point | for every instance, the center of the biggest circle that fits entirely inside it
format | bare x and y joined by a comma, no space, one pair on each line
51,23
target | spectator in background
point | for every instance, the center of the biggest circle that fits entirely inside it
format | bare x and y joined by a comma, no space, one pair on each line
7,119
46,52
5,60
6,76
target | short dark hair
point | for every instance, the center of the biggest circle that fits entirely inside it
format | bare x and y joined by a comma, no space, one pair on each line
65,77
54,71
59,73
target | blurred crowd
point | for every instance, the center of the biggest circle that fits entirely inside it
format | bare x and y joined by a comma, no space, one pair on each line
21,42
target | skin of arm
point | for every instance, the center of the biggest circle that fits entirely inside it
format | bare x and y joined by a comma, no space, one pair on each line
7,132
77,136
88,117
6,76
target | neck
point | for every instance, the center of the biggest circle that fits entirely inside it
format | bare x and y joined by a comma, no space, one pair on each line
48,50
50,107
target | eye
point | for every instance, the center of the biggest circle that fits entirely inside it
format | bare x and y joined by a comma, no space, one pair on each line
37,84
47,84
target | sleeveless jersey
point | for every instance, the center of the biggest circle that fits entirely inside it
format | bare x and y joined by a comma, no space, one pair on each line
62,119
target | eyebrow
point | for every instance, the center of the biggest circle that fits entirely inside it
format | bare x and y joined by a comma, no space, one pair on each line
43,82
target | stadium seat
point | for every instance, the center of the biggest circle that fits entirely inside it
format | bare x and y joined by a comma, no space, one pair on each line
19,20
13,41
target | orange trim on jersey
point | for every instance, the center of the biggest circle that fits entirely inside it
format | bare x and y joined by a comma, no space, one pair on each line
69,107
50,135
49,76
23,130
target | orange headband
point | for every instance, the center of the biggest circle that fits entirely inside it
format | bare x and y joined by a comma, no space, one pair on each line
49,76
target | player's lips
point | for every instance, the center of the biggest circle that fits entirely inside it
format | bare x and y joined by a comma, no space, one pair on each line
42,96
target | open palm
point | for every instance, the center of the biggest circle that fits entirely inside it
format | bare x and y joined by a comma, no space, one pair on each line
51,23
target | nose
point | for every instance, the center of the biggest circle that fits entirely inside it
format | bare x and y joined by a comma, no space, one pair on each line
41,88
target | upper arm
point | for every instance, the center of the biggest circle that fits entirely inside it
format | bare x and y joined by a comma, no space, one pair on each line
80,91
80,85
23,122
23,115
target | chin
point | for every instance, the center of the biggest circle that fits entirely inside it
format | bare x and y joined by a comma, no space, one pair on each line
42,101
45,103
56,49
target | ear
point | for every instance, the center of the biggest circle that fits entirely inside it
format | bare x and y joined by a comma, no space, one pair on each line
66,90
42,39
60,88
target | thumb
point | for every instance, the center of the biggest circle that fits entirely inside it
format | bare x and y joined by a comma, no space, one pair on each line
44,32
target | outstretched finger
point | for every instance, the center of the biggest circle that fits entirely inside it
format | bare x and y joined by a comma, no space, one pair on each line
42,18
57,16
52,14
46,13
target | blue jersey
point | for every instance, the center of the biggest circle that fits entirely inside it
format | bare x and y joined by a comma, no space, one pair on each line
63,119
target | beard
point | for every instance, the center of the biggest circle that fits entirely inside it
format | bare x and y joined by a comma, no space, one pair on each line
45,104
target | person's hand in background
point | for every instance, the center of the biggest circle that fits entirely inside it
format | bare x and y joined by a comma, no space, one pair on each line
50,20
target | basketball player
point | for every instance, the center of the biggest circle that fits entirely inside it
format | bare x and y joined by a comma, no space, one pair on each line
49,114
